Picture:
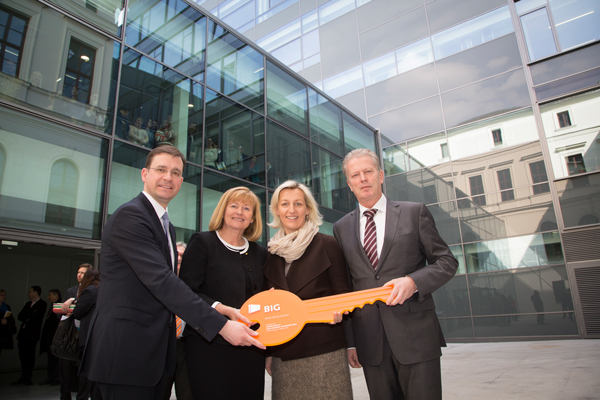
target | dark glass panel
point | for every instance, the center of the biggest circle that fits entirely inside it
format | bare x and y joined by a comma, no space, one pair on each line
339,44
495,95
53,177
286,99
234,68
395,158
169,31
445,13
452,299
566,64
325,122
515,252
357,135
514,292
446,221
372,13
478,63
330,217
567,85
579,200
402,89
289,155
330,189
454,328
237,137
527,325
413,120
215,185
457,251
158,106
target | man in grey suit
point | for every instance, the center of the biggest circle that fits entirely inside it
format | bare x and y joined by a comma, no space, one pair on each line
393,243
131,347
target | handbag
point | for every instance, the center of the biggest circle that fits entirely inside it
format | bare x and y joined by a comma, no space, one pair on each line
65,343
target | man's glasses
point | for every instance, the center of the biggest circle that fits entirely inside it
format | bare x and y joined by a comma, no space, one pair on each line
162,171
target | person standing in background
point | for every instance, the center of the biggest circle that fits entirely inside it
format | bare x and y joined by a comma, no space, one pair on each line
7,324
48,331
31,317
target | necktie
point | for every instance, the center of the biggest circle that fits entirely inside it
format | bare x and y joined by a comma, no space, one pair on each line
165,222
179,326
370,243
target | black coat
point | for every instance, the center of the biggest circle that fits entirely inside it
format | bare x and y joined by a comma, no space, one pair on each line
84,309
31,320
48,330
7,331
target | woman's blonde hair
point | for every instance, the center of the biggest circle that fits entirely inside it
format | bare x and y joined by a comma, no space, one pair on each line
313,209
244,195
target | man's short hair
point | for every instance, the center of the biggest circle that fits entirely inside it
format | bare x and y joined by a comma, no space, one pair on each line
56,292
360,153
181,244
172,150
37,289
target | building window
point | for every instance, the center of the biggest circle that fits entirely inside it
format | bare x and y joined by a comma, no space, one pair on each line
564,119
497,137
505,183
2,166
476,183
13,28
444,147
79,72
538,176
62,194
575,164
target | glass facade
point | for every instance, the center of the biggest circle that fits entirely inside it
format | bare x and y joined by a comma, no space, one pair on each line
487,112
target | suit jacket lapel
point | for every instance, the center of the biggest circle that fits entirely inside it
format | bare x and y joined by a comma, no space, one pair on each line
275,271
391,227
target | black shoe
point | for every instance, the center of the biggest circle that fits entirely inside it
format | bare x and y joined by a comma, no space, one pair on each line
28,383
55,382
46,382
18,382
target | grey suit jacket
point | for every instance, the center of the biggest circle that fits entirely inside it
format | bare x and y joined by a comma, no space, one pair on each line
412,247
132,331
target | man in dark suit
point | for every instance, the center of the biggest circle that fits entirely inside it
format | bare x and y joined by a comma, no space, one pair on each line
31,317
398,344
131,346
48,331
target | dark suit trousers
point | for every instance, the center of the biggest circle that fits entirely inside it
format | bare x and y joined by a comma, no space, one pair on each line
393,381
27,357
182,382
129,392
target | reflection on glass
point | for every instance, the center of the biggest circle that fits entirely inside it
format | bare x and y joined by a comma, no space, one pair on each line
356,135
288,155
414,55
345,82
242,18
380,69
325,122
310,44
579,200
395,159
527,5
457,251
330,188
310,21
515,252
286,99
106,14
169,31
538,34
334,9
456,327
452,299
498,218
235,139
478,138
158,106
289,53
476,31
426,185
576,22
553,325
72,78
214,187
330,217
429,150
446,221
574,149
53,177
277,38
234,68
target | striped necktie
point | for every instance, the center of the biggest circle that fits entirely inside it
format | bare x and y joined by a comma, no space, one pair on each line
370,242
179,326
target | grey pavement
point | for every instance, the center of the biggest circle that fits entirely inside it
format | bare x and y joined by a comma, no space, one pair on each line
548,370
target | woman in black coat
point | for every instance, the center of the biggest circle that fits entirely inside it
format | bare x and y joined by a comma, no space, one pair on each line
224,266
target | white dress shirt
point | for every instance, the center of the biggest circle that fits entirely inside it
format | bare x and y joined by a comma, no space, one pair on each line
160,212
379,219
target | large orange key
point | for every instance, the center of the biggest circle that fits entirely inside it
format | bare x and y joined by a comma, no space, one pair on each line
282,315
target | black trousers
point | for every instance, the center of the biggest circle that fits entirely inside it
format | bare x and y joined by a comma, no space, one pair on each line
27,357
